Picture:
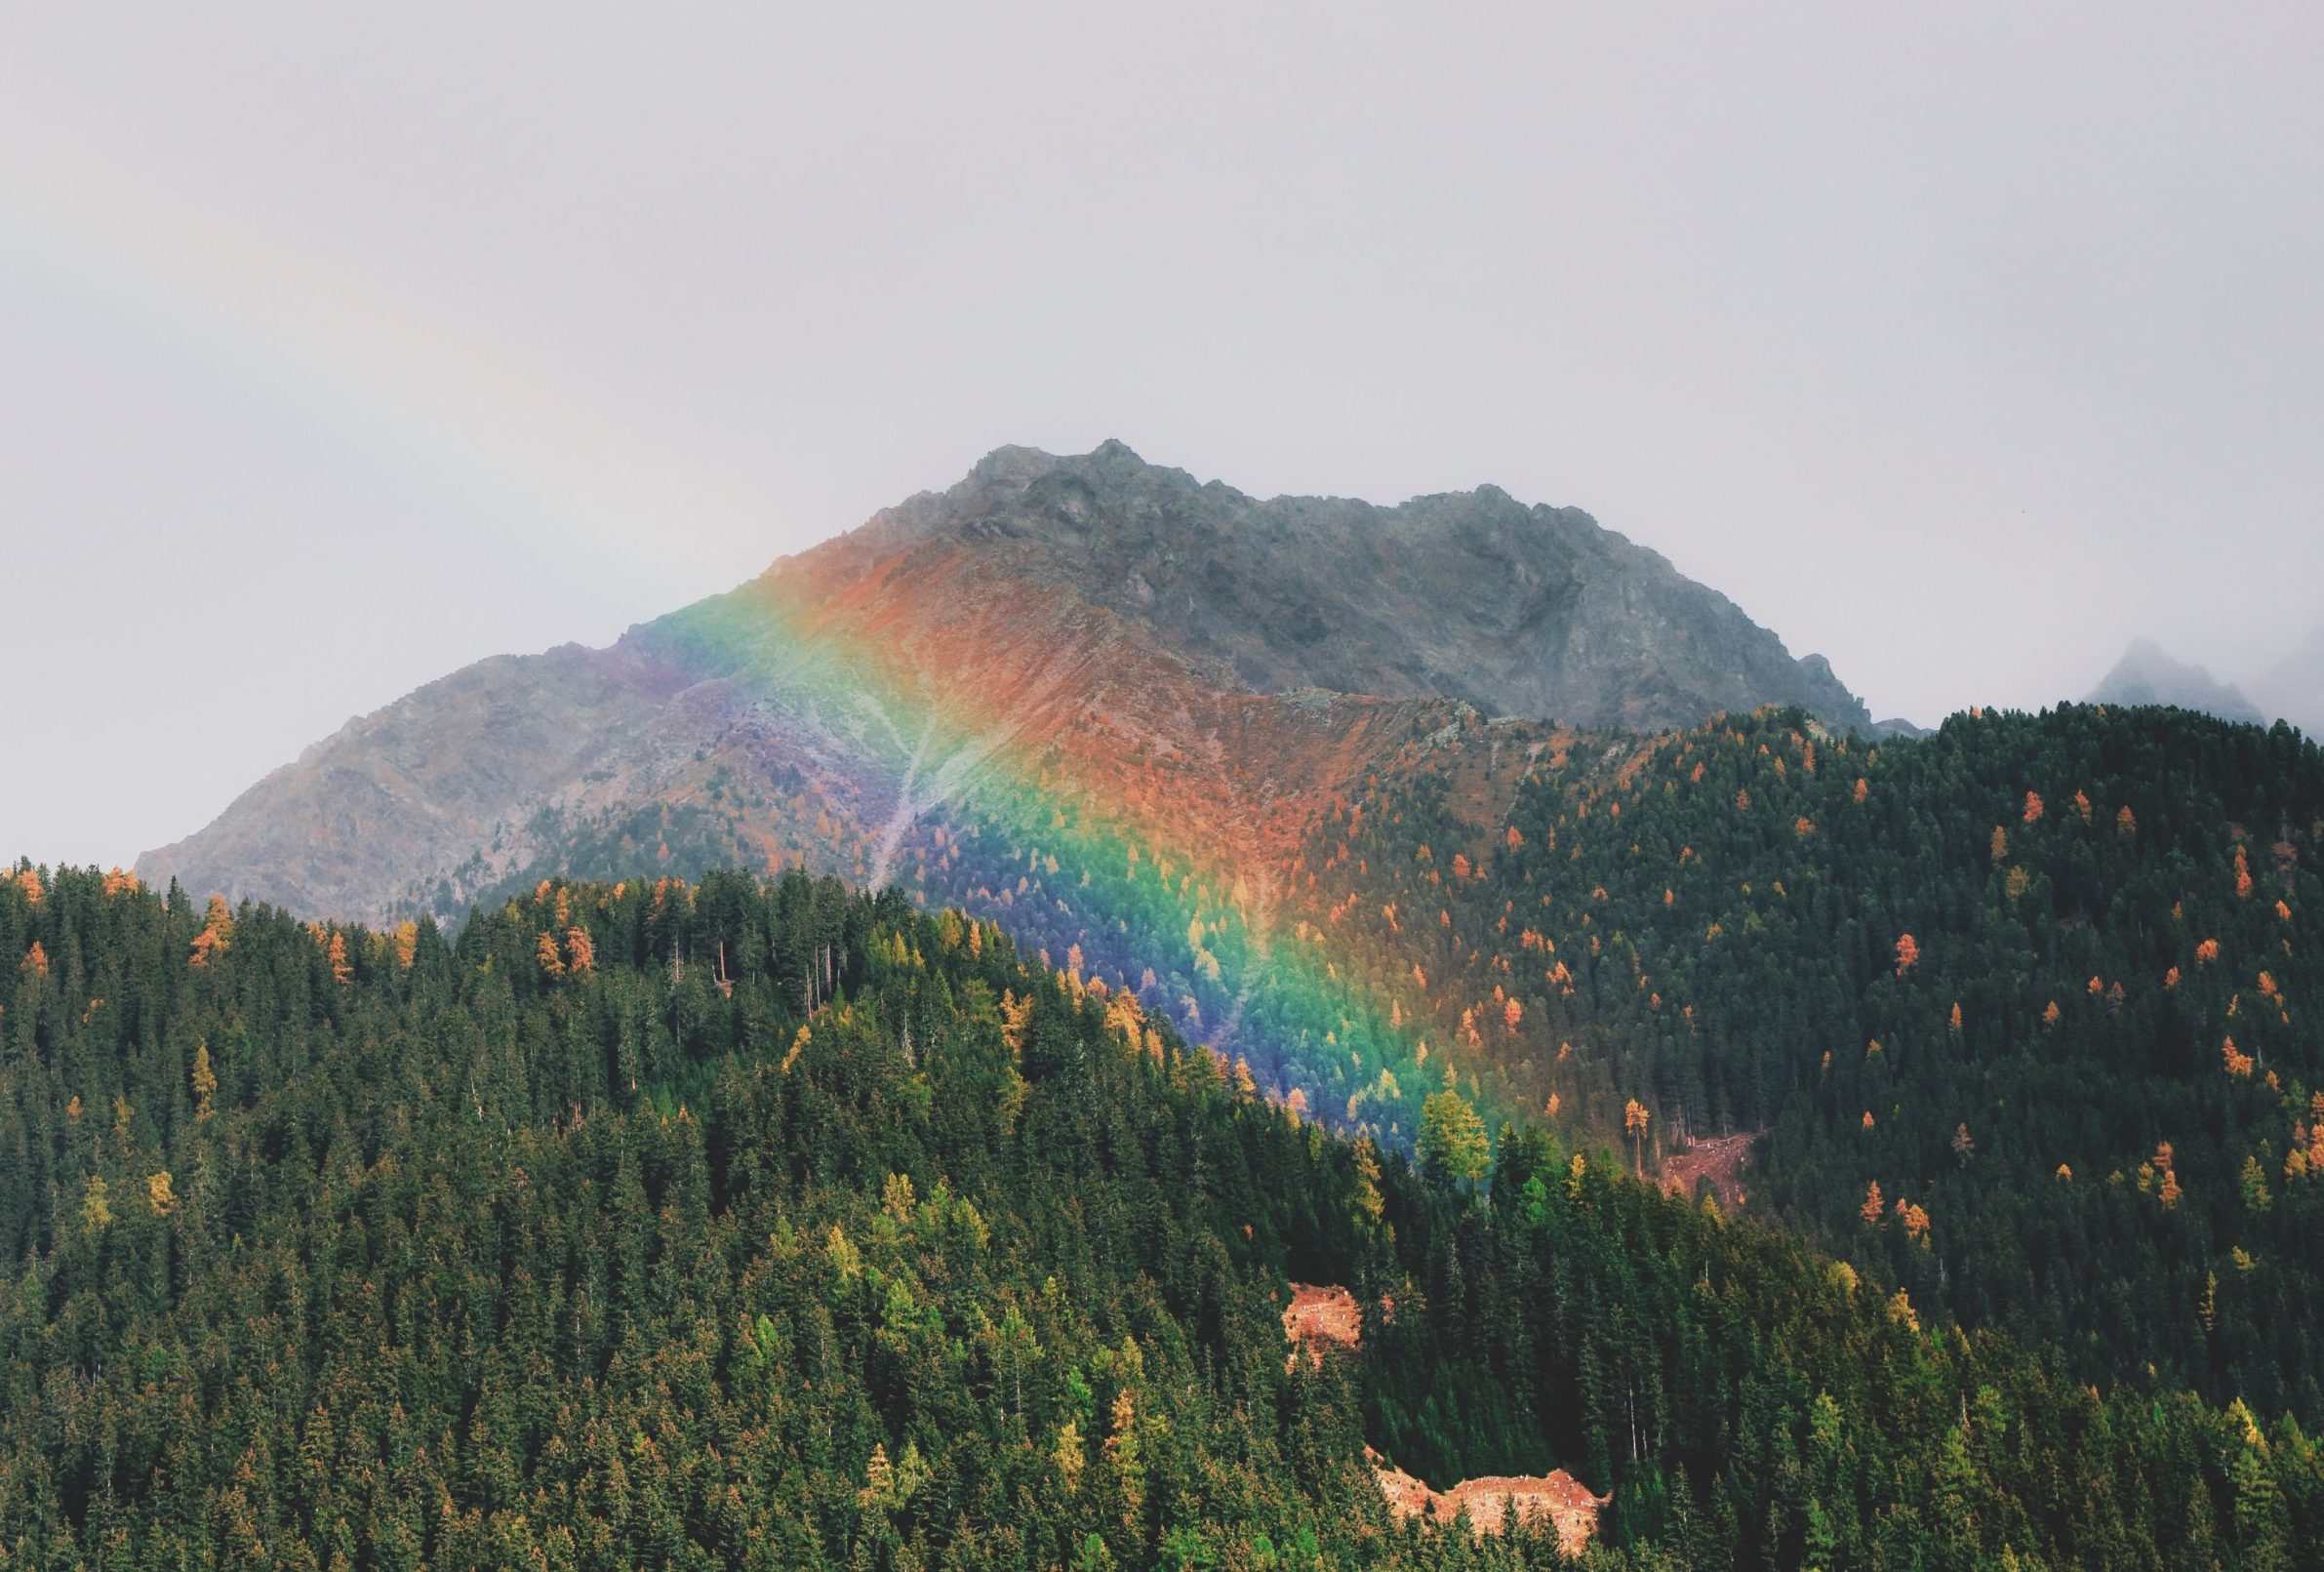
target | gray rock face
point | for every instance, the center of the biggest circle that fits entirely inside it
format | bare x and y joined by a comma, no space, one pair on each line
1056,599
418,786
2145,675
1520,610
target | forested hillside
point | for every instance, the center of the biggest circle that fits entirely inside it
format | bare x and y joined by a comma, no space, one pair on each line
1086,697
761,1225
2026,1012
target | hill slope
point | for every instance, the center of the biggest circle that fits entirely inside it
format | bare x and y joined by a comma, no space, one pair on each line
758,1225
2024,1014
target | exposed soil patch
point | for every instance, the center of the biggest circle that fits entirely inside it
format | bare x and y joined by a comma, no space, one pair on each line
1717,1159
1319,1316
1329,1315
1557,1497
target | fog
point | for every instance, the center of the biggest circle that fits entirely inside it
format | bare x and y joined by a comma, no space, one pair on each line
339,350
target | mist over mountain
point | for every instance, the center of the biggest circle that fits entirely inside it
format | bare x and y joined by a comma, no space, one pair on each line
2294,687
2147,675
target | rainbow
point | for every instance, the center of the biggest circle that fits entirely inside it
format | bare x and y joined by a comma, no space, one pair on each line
312,333
962,776
980,810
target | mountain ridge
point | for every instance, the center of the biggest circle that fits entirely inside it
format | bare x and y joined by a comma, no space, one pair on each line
1183,556
1088,575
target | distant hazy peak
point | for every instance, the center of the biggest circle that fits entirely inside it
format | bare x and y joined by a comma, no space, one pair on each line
2294,687
2147,675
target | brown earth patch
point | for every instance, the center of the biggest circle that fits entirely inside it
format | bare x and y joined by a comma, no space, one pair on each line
1557,1497
1717,1159
1321,1315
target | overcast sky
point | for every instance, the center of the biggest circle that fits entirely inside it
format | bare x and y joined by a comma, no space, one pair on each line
338,351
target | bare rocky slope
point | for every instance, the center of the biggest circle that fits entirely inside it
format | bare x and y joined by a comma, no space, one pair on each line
1092,626
1520,610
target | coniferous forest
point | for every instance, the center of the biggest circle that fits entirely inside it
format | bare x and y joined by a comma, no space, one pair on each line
1644,893
2021,1014
749,1225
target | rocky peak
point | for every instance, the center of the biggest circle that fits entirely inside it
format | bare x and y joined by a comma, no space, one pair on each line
1519,608
1092,605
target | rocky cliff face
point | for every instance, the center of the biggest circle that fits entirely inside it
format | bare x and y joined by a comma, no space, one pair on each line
1090,638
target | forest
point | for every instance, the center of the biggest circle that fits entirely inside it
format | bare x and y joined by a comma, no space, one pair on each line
767,1224
2021,1014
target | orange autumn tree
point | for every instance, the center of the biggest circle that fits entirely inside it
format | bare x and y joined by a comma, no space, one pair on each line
2168,1191
1874,1208
1907,953
217,931
1635,1117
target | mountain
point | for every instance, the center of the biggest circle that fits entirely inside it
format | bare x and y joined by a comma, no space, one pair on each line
2006,1027
1034,698
1225,661
1526,611
2145,675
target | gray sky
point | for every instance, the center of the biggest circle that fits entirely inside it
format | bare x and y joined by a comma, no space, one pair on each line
1960,343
